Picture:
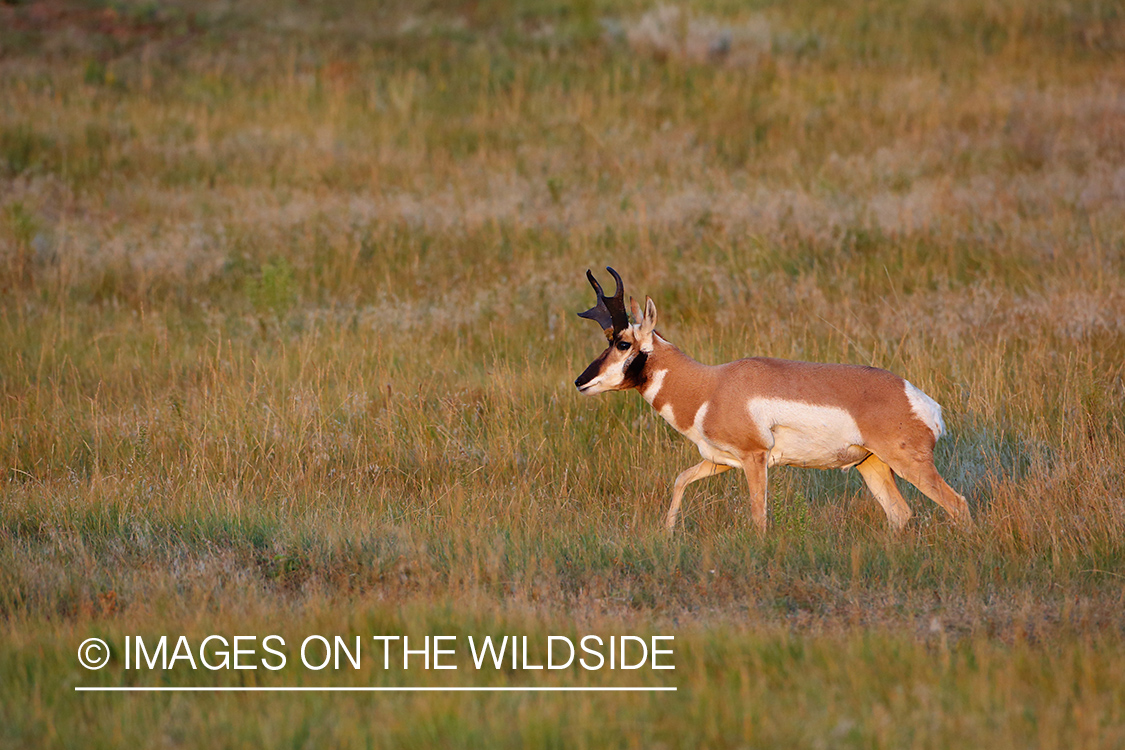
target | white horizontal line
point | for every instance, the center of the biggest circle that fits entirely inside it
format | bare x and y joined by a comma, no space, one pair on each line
408,689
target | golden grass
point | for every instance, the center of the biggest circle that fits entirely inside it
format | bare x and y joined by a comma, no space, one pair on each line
287,341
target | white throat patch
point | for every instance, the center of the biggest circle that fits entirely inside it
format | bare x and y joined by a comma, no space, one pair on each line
655,383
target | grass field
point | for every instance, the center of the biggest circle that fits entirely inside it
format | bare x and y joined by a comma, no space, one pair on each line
287,339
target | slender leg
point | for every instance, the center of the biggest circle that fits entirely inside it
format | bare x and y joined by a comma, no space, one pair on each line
922,473
881,482
686,477
754,466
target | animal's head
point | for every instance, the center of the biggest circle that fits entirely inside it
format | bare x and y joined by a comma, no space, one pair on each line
621,365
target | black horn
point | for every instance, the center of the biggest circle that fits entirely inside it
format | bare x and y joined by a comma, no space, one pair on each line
609,312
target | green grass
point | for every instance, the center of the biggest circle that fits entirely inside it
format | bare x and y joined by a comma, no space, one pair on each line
287,343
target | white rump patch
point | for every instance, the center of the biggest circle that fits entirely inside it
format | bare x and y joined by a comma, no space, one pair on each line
926,409
809,435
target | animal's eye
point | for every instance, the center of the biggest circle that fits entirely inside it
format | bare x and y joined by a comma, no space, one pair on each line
623,345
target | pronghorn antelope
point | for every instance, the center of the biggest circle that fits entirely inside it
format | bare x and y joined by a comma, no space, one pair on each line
754,413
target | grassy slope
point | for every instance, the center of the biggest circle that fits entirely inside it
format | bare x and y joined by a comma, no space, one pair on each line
287,342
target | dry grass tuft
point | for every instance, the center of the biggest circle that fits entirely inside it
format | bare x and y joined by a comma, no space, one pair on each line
287,340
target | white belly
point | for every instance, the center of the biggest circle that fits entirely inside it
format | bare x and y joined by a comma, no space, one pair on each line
814,451
717,455
800,434
796,433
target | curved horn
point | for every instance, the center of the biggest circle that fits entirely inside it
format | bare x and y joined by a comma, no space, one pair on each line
616,303
609,312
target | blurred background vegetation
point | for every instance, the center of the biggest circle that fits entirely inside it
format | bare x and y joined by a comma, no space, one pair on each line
287,336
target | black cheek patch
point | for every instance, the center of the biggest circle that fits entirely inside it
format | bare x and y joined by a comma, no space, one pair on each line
635,374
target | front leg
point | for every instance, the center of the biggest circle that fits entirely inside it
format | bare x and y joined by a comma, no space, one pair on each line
755,467
702,469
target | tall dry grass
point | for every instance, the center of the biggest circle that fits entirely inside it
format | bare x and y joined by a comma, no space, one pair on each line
287,338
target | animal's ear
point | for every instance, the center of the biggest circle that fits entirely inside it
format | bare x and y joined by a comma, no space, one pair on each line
635,309
648,324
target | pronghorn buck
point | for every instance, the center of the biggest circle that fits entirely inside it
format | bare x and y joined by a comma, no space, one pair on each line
754,413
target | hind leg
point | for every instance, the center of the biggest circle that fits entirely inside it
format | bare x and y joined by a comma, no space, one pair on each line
921,472
877,474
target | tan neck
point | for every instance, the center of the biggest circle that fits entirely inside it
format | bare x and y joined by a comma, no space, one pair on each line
669,371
